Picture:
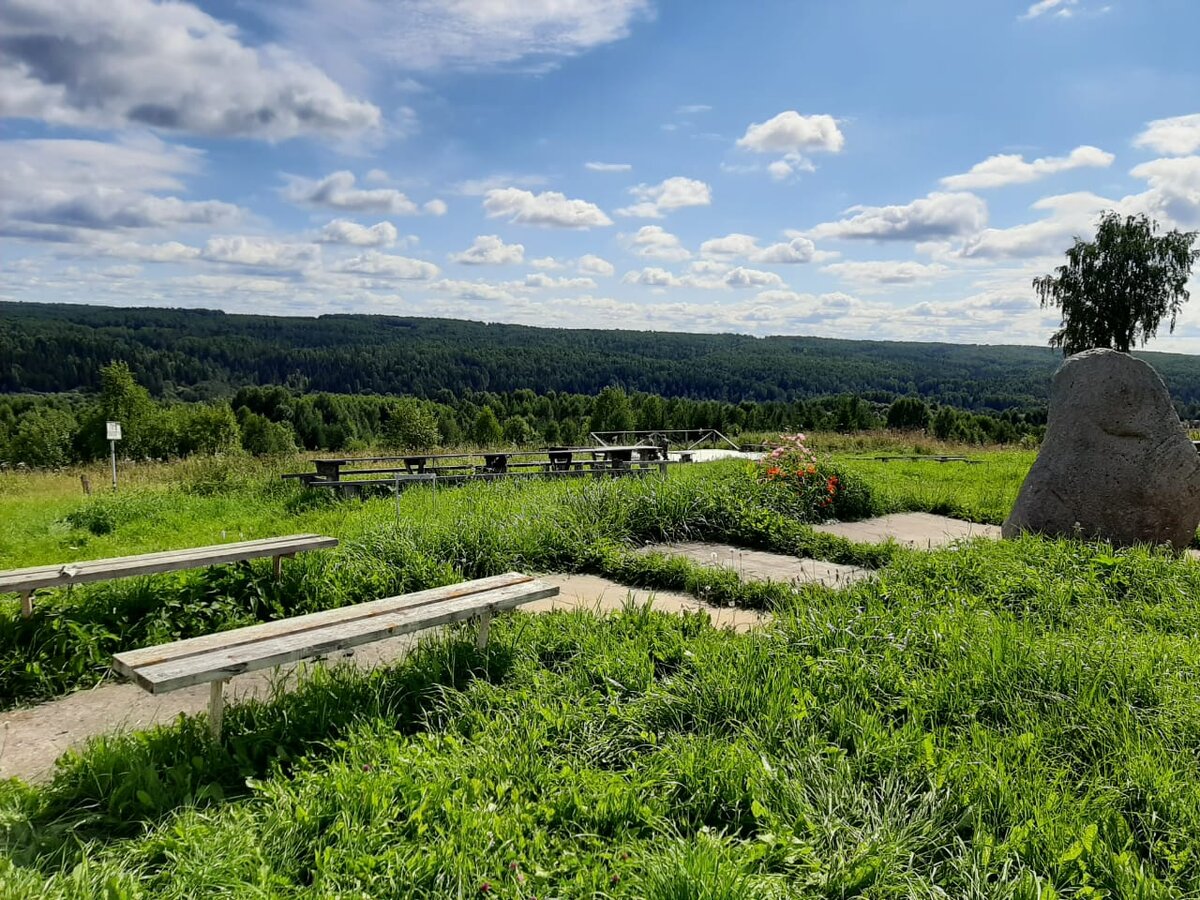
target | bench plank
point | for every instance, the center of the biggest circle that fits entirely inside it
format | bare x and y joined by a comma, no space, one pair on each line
125,663
84,571
223,663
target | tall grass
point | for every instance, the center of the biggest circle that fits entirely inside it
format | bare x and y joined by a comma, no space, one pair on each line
994,720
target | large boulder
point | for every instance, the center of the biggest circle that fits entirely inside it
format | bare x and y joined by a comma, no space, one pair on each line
1116,463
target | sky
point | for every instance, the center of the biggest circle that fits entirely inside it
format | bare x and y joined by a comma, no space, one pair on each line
884,169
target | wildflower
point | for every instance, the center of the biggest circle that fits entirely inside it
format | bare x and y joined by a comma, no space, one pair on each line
485,888
773,472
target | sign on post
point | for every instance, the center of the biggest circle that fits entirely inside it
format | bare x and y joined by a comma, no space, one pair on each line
113,430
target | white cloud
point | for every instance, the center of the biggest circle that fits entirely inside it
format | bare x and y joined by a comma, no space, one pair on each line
337,191
608,167
166,252
652,276
490,250
743,277
423,35
934,216
1177,136
653,242
547,263
589,264
1061,8
387,265
1174,189
540,280
477,187
435,207
790,132
343,231
166,66
474,290
673,193
1069,214
875,272
260,253
69,190
797,250
549,208
1011,168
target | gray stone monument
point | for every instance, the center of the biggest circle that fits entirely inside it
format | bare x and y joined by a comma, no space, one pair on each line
1116,463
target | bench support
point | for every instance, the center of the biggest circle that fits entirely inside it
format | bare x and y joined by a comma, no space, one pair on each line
27,604
277,564
485,625
216,707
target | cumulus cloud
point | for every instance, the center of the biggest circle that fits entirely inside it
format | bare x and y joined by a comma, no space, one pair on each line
387,265
260,253
590,264
548,208
541,280
674,193
1011,168
548,263
1174,188
435,207
878,272
797,250
474,290
337,191
62,189
935,216
652,276
166,66
654,242
458,34
790,132
1068,215
490,250
742,277
608,167
343,231
1177,136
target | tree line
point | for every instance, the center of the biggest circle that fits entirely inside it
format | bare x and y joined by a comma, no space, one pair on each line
59,429
195,355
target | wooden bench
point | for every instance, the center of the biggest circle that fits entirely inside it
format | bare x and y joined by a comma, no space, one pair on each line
26,581
215,658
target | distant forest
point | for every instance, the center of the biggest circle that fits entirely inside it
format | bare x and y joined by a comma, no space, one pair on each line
203,355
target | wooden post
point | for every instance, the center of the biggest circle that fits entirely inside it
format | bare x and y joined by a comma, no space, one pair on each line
485,625
87,485
277,566
662,467
216,707
27,604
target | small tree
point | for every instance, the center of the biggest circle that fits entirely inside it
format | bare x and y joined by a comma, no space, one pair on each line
486,430
1115,290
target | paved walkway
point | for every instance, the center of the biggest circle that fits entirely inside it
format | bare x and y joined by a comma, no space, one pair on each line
923,531
758,565
32,739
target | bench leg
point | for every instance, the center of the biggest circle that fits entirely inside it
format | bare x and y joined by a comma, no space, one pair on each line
216,707
27,604
485,625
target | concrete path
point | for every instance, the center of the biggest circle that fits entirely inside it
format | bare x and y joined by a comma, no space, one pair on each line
758,565
32,739
920,530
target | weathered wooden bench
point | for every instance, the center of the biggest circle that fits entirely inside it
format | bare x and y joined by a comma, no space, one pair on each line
26,581
215,658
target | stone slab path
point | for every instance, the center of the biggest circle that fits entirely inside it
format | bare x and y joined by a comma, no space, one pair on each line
32,739
759,565
922,531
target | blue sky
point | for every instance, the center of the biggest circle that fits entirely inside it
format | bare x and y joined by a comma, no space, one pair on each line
852,169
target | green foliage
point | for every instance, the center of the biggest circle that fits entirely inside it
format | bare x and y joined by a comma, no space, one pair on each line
1116,290
611,411
908,414
262,437
42,438
485,431
409,426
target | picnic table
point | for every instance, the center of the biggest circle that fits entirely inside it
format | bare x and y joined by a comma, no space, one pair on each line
26,581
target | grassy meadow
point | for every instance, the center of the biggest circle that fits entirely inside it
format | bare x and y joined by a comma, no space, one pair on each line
1016,719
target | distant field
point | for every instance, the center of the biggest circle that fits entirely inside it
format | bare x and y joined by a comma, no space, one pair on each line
996,720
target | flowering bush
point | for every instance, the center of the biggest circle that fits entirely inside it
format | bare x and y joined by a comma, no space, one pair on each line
797,482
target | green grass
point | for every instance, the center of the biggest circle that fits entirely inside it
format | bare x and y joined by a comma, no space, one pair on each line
996,720
993,720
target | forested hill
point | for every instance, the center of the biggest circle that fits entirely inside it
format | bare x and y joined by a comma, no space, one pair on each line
204,353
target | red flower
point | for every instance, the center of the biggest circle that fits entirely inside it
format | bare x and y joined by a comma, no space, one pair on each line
773,471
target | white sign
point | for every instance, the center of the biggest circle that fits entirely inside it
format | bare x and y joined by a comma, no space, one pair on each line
114,431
